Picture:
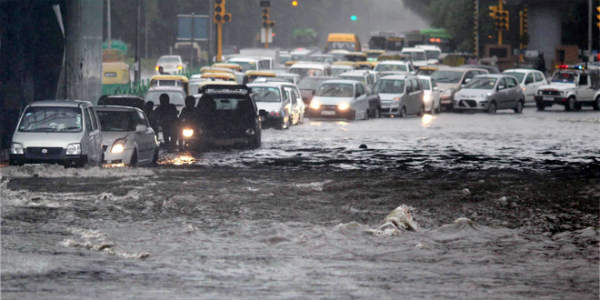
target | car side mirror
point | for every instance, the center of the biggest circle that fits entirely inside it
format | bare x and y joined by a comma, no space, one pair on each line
140,128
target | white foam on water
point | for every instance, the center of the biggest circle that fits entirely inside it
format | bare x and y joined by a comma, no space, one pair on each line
57,171
98,241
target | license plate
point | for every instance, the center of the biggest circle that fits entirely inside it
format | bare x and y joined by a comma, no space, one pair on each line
328,113
549,98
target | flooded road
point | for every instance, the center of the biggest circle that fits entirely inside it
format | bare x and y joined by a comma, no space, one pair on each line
506,207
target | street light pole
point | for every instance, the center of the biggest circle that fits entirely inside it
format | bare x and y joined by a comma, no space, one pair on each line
137,42
590,21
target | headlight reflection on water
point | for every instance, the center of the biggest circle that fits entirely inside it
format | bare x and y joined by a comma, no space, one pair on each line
426,120
179,160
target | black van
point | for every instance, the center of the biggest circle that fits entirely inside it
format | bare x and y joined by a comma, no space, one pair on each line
227,116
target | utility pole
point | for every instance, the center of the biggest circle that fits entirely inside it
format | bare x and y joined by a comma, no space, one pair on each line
108,26
501,9
192,44
137,43
590,18
221,16
476,28
210,42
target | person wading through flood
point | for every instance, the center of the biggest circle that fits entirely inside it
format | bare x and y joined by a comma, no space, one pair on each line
188,117
165,116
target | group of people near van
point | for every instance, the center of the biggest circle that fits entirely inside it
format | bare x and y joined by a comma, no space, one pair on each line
166,118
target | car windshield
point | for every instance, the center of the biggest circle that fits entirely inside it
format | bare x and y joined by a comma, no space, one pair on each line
416,55
391,67
518,75
341,45
432,54
338,71
266,94
484,83
168,60
231,104
390,86
354,77
175,97
564,77
335,90
307,72
245,65
51,119
444,76
425,84
118,120
310,83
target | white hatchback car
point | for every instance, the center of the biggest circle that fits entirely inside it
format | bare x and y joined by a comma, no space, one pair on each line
529,80
431,94
57,131
170,64
127,137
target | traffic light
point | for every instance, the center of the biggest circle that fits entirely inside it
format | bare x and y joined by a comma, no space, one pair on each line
294,3
353,18
526,20
505,17
494,11
598,16
219,11
266,17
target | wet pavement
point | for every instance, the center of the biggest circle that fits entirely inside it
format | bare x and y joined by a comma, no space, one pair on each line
506,207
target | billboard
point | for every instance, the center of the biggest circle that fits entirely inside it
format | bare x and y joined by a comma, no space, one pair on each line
184,27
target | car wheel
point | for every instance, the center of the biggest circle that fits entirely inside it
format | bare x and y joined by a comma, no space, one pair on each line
255,141
403,112
519,107
133,162
492,108
597,103
421,111
571,104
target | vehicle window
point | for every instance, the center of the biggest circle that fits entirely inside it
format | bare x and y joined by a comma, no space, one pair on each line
51,119
266,94
502,84
409,86
539,77
169,60
518,75
360,89
335,90
446,76
564,77
416,85
510,82
303,72
310,83
297,94
292,95
245,65
119,121
88,120
94,120
425,84
583,79
142,119
390,86
529,78
229,104
391,67
175,97
370,80
468,76
482,83
341,45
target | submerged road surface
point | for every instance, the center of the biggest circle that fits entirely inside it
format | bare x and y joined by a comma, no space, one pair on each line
504,207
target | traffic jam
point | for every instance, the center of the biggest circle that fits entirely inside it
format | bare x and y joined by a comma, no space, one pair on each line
326,149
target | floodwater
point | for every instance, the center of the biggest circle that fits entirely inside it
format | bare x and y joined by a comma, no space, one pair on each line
293,220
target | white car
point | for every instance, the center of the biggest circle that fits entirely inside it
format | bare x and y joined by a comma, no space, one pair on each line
529,80
279,103
127,137
250,63
417,55
346,99
394,66
432,52
367,77
57,131
170,64
431,94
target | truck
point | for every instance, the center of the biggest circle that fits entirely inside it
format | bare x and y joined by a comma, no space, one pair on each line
572,87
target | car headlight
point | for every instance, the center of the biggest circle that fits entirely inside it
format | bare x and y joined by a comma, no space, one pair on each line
315,104
343,106
17,148
427,97
250,131
157,68
187,132
73,149
118,146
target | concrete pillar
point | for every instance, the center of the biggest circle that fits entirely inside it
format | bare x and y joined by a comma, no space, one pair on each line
83,63
545,30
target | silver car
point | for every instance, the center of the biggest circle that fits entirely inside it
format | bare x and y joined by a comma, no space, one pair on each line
400,95
57,131
279,104
346,99
490,93
431,94
127,138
